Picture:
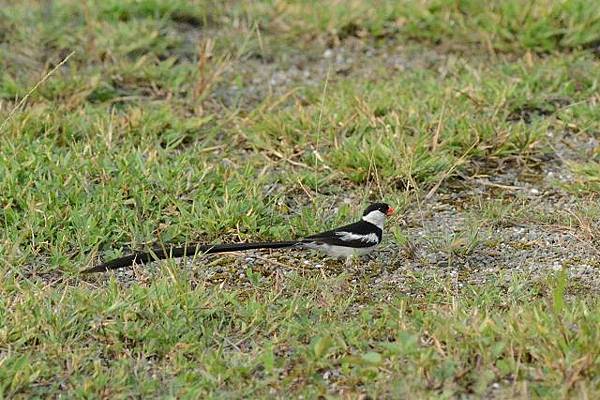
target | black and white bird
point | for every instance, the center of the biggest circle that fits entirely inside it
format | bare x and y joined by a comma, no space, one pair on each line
348,241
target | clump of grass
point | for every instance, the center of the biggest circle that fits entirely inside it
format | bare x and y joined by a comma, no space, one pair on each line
497,26
585,177
202,340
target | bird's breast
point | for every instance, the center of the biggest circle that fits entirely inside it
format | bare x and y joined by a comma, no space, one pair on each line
339,251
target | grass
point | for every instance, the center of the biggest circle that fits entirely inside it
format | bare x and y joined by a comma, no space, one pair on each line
201,121
173,338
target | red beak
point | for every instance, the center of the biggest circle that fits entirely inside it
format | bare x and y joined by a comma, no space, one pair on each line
390,211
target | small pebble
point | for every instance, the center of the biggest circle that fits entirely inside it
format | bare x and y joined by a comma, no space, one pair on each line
556,266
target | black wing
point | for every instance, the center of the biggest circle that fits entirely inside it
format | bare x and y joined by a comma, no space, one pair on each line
356,235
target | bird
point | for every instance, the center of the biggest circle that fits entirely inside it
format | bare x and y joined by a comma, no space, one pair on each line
348,241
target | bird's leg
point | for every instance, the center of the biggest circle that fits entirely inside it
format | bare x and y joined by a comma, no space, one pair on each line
348,262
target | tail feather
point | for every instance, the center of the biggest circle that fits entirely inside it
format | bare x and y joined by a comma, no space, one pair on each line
190,250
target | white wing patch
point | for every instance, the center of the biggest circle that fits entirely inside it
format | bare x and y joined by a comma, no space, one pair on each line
349,236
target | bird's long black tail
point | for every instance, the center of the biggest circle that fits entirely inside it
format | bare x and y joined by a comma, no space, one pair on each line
189,250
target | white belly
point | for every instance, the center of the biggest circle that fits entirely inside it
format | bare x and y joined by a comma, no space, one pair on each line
340,251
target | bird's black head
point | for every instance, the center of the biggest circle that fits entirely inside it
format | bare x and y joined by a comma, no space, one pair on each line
382,207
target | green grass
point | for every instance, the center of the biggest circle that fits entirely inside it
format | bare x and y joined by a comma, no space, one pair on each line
143,137
181,337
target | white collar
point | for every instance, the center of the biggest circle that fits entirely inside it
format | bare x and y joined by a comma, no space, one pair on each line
376,218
